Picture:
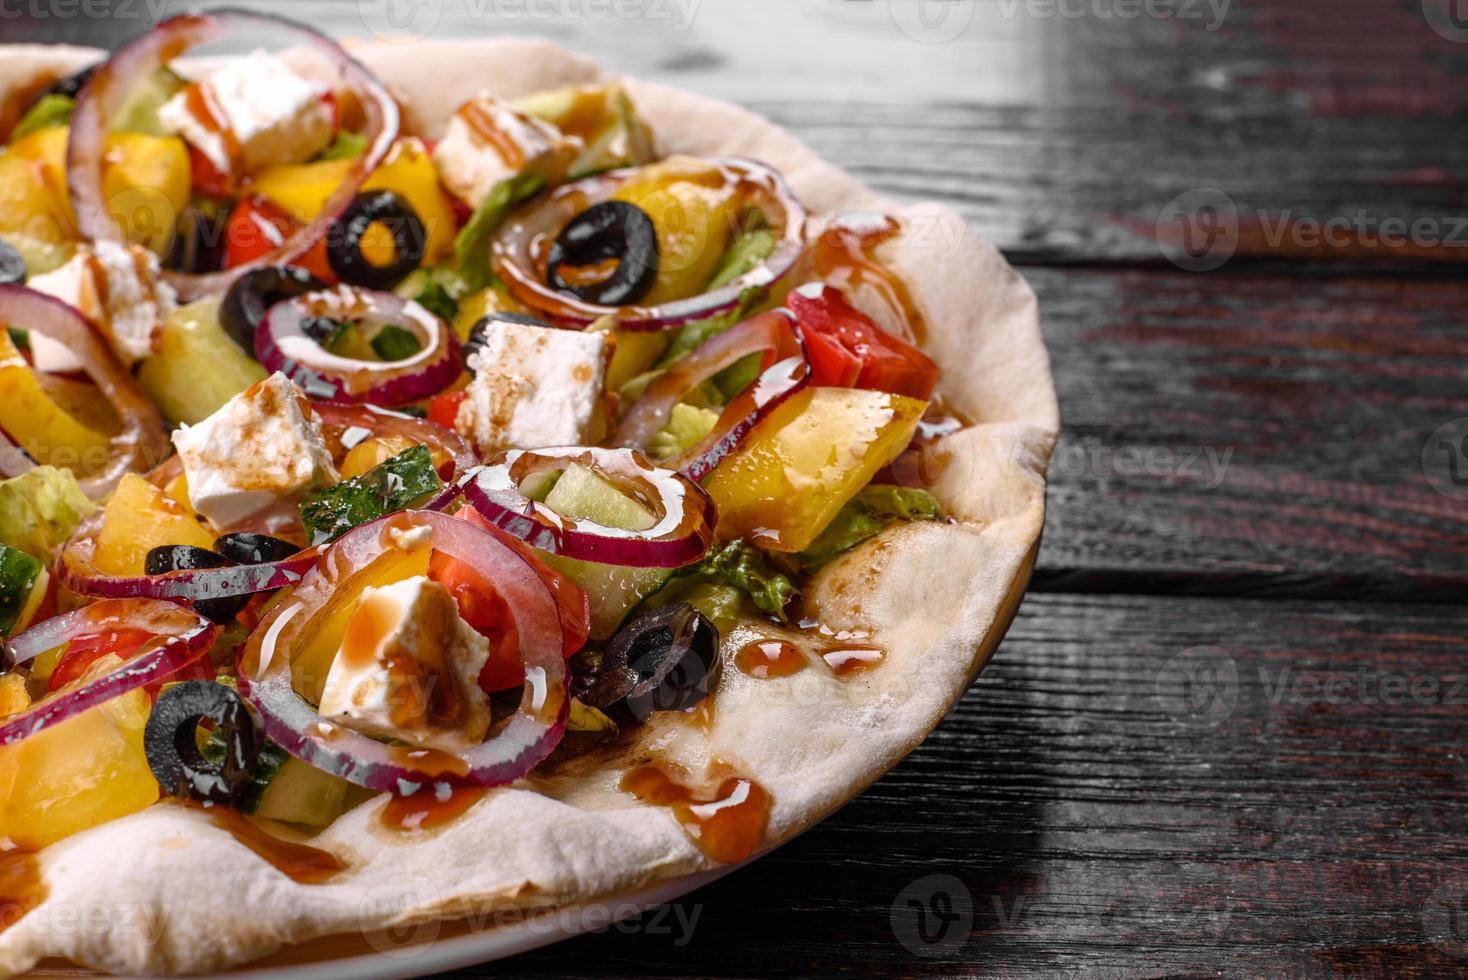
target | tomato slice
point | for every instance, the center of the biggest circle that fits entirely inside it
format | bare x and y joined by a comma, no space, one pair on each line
484,609
444,409
207,178
257,227
848,350
84,651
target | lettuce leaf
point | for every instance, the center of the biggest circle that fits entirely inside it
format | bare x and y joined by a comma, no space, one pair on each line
40,509
49,111
871,510
687,427
471,248
737,566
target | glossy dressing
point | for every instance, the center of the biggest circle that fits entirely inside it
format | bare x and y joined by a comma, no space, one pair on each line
433,806
845,257
767,659
728,824
301,863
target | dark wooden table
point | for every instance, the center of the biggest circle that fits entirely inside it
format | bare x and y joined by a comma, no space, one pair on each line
1228,733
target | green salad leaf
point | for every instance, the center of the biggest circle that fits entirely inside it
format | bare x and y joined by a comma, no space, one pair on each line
18,574
438,290
406,480
471,248
344,147
737,569
688,426
40,509
49,111
871,510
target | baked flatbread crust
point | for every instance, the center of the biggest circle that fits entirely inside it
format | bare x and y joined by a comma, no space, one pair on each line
164,891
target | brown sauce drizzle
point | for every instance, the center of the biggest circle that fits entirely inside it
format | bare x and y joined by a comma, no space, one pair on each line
767,659
728,825
21,886
848,660
844,256
427,808
301,863
484,125
201,105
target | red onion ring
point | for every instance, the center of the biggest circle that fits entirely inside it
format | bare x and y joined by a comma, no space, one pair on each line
13,459
771,334
291,722
282,345
382,422
142,440
75,571
519,252
107,92
186,638
741,415
685,514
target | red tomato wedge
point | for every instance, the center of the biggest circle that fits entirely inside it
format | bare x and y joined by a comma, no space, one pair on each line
87,650
848,350
444,409
257,227
482,608
207,179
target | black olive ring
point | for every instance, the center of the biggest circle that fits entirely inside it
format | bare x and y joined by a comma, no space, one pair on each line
344,240
255,292
171,742
12,265
609,230
185,557
664,660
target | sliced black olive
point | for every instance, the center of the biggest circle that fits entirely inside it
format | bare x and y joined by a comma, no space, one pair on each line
184,557
255,292
71,85
198,246
253,549
344,240
664,660
475,343
12,264
611,230
171,742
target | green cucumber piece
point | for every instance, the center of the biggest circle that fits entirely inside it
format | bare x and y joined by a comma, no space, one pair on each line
19,576
395,344
140,114
301,794
611,590
406,480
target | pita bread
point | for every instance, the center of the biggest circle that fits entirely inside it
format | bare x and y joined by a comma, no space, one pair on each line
164,891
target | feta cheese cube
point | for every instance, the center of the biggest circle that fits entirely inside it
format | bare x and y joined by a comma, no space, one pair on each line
535,387
117,287
489,141
408,669
253,112
265,447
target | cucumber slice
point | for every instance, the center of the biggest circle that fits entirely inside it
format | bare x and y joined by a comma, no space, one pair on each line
300,794
140,114
611,590
20,575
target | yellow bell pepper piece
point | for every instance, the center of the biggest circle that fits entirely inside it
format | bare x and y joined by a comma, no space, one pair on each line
141,517
79,774
43,428
694,215
806,460
302,189
146,183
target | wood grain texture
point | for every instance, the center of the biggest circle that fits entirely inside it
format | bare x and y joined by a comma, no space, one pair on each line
1254,434
1101,828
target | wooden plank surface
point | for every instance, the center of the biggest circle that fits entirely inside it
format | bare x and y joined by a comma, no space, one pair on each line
1256,434
1064,129
1298,822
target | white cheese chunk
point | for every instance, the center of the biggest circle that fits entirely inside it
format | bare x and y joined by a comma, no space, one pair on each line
535,387
264,448
120,289
253,112
489,141
408,669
